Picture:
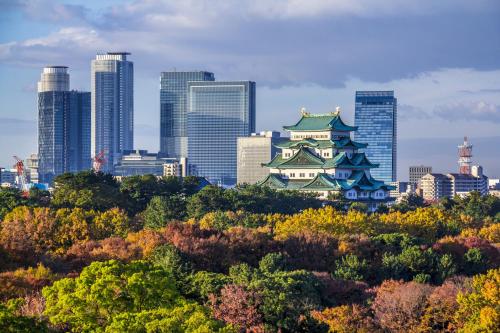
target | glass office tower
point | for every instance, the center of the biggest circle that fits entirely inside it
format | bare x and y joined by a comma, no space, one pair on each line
376,118
63,125
112,125
218,113
173,110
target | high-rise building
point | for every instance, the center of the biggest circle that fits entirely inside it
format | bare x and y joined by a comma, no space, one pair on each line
253,151
173,110
63,125
417,172
112,126
376,119
218,113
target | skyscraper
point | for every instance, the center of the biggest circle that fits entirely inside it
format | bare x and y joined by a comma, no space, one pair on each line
63,125
218,113
112,124
376,119
173,110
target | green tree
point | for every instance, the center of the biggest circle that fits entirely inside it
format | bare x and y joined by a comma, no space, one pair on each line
11,322
88,190
350,267
104,290
161,210
9,199
210,198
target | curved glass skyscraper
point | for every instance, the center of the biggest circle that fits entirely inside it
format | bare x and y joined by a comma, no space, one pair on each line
63,125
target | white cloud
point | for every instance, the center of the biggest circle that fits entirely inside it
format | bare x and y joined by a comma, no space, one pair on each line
472,111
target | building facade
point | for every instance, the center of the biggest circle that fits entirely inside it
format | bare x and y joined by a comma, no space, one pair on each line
376,118
320,157
140,162
417,172
173,110
253,151
218,113
436,186
32,168
112,126
63,126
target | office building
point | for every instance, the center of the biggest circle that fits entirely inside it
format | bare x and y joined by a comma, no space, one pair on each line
376,118
8,177
417,172
173,110
436,186
321,158
140,162
63,126
253,151
218,113
32,168
112,126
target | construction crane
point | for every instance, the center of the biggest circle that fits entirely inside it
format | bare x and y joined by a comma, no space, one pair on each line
99,161
21,175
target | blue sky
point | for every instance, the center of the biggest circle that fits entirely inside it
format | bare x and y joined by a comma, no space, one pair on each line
442,58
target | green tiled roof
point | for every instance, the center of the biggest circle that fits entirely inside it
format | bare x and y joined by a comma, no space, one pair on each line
325,182
322,144
320,122
305,159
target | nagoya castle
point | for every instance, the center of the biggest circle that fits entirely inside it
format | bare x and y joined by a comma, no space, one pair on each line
321,157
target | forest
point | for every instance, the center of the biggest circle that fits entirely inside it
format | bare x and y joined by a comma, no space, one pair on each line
152,254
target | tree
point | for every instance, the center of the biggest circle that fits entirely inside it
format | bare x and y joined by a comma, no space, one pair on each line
398,307
161,210
439,315
210,198
350,267
186,317
238,306
9,199
347,319
12,322
479,310
88,190
105,290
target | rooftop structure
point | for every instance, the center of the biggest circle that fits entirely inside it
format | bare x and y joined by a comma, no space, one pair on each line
465,157
321,157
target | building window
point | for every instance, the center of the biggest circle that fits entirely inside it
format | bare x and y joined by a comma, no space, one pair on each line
311,174
302,175
292,175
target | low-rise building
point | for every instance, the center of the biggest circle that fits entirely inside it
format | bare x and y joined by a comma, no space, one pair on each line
140,162
437,185
401,188
253,151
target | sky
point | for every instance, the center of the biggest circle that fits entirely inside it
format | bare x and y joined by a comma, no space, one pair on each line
442,59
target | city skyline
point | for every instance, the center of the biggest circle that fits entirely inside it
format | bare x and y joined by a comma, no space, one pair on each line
457,91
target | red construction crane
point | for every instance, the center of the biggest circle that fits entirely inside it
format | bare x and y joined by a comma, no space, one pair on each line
21,175
99,161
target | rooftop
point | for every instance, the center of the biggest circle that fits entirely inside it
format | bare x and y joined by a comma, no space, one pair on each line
320,122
